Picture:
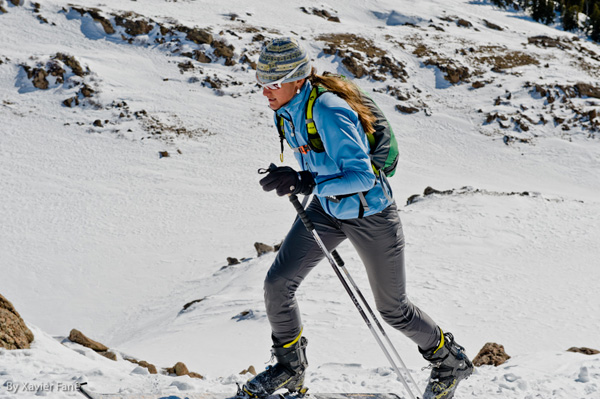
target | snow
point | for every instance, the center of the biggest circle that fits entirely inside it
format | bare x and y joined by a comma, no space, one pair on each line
100,234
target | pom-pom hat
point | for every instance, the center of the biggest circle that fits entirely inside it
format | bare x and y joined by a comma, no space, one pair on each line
282,60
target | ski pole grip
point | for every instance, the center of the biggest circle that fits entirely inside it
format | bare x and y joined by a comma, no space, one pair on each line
338,258
301,212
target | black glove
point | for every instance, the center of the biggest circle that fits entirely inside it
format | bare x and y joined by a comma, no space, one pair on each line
286,180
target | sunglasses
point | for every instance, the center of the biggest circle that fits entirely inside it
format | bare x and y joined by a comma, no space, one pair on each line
276,85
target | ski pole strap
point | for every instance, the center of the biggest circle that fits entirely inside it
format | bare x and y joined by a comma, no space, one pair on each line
301,212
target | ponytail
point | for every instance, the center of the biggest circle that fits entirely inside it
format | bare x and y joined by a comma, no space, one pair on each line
348,92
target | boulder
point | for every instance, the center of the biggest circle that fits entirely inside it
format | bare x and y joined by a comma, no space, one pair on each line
181,369
109,355
262,249
142,363
38,76
79,338
587,90
491,354
134,27
584,350
14,334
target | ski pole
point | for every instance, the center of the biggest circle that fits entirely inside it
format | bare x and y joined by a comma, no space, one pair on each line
341,264
330,257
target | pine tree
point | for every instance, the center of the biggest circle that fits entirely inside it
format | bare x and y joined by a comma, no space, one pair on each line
549,12
500,3
594,23
543,11
570,18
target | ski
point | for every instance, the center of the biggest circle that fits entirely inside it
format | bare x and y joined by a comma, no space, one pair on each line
94,395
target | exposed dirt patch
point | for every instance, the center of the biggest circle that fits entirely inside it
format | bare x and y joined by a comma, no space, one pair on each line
507,60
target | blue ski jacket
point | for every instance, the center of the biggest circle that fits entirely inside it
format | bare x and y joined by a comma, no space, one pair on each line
345,166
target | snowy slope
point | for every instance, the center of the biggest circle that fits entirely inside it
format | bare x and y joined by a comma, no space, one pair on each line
100,234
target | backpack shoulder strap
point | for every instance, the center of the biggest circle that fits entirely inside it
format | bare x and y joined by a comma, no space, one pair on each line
314,140
281,131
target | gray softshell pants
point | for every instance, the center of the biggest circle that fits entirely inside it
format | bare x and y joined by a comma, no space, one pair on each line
379,241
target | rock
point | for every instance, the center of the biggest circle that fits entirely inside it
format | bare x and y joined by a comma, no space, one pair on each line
224,51
98,123
232,261
14,334
250,370
246,60
354,67
491,25
198,36
430,190
478,85
133,28
587,90
71,102
142,363
187,305
181,369
38,76
86,91
95,14
455,75
201,56
163,154
109,355
185,66
262,249
71,62
464,23
491,354
406,110
544,41
79,338
584,350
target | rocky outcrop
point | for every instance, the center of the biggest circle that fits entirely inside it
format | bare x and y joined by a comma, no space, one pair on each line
80,338
14,334
375,62
142,363
584,351
262,249
181,369
491,354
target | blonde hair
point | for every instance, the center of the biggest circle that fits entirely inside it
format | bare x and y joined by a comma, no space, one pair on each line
348,92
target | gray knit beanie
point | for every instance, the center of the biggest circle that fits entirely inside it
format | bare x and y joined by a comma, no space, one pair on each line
279,57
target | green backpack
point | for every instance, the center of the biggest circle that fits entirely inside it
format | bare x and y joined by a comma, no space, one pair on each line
384,147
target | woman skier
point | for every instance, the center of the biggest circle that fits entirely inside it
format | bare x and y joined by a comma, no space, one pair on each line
350,202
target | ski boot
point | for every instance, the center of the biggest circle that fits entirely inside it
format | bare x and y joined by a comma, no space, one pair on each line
287,373
449,365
